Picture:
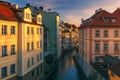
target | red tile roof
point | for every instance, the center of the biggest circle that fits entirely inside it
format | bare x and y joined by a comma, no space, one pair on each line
97,19
6,12
9,13
117,12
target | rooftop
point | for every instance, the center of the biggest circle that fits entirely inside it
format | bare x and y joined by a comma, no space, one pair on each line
7,12
103,18
115,68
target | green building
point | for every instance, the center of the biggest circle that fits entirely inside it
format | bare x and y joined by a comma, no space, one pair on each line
52,36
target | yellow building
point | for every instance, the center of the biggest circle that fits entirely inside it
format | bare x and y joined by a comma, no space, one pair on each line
21,43
114,71
8,42
30,43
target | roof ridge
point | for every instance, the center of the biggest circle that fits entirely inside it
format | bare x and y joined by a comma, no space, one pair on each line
99,14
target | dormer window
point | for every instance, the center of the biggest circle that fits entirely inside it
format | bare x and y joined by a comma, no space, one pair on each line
113,20
27,16
39,19
108,19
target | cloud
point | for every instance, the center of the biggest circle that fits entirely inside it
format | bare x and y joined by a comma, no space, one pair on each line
75,16
74,10
47,4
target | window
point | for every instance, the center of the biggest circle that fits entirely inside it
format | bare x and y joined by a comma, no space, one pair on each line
116,57
38,71
113,20
40,30
97,59
109,19
38,57
28,46
4,29
83,44
32,73
116,33
4,71
39,19
12,29
27,16
28,63
41,68
28,30
116,47
105,33
4,50
12,49
38,44
41,56
32,30
32,45
97,46
97,33
86,33
32,60
105,46
12,68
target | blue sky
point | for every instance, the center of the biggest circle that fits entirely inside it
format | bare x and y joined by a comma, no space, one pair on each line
72,10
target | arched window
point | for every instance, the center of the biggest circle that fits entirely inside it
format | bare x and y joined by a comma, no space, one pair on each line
28,63
32,60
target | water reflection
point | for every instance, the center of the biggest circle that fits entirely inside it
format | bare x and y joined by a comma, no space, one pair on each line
66,69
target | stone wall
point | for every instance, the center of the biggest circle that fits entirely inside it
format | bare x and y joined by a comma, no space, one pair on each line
88,70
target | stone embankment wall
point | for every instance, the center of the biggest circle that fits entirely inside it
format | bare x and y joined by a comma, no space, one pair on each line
89,72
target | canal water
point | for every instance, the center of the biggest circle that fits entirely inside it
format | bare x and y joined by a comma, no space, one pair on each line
66,69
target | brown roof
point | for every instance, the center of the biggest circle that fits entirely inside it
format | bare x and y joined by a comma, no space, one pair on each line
97,19
115,68
6,12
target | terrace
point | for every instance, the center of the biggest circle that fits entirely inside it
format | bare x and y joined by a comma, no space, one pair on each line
102,66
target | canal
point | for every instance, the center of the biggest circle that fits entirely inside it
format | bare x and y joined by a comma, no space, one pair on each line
66,69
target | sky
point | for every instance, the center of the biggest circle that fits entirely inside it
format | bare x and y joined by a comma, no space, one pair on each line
72,11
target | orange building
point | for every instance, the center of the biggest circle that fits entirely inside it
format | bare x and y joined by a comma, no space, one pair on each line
100,35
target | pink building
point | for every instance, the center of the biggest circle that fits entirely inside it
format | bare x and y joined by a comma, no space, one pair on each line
100,35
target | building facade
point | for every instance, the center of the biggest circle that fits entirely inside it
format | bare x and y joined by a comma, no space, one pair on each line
8,42
100,35
69,36
52,37
21,43
51,21
30,43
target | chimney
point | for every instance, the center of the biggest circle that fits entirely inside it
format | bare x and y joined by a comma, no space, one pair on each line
41,8
82,20
49,10
96,11
100,9
15,6
28,5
